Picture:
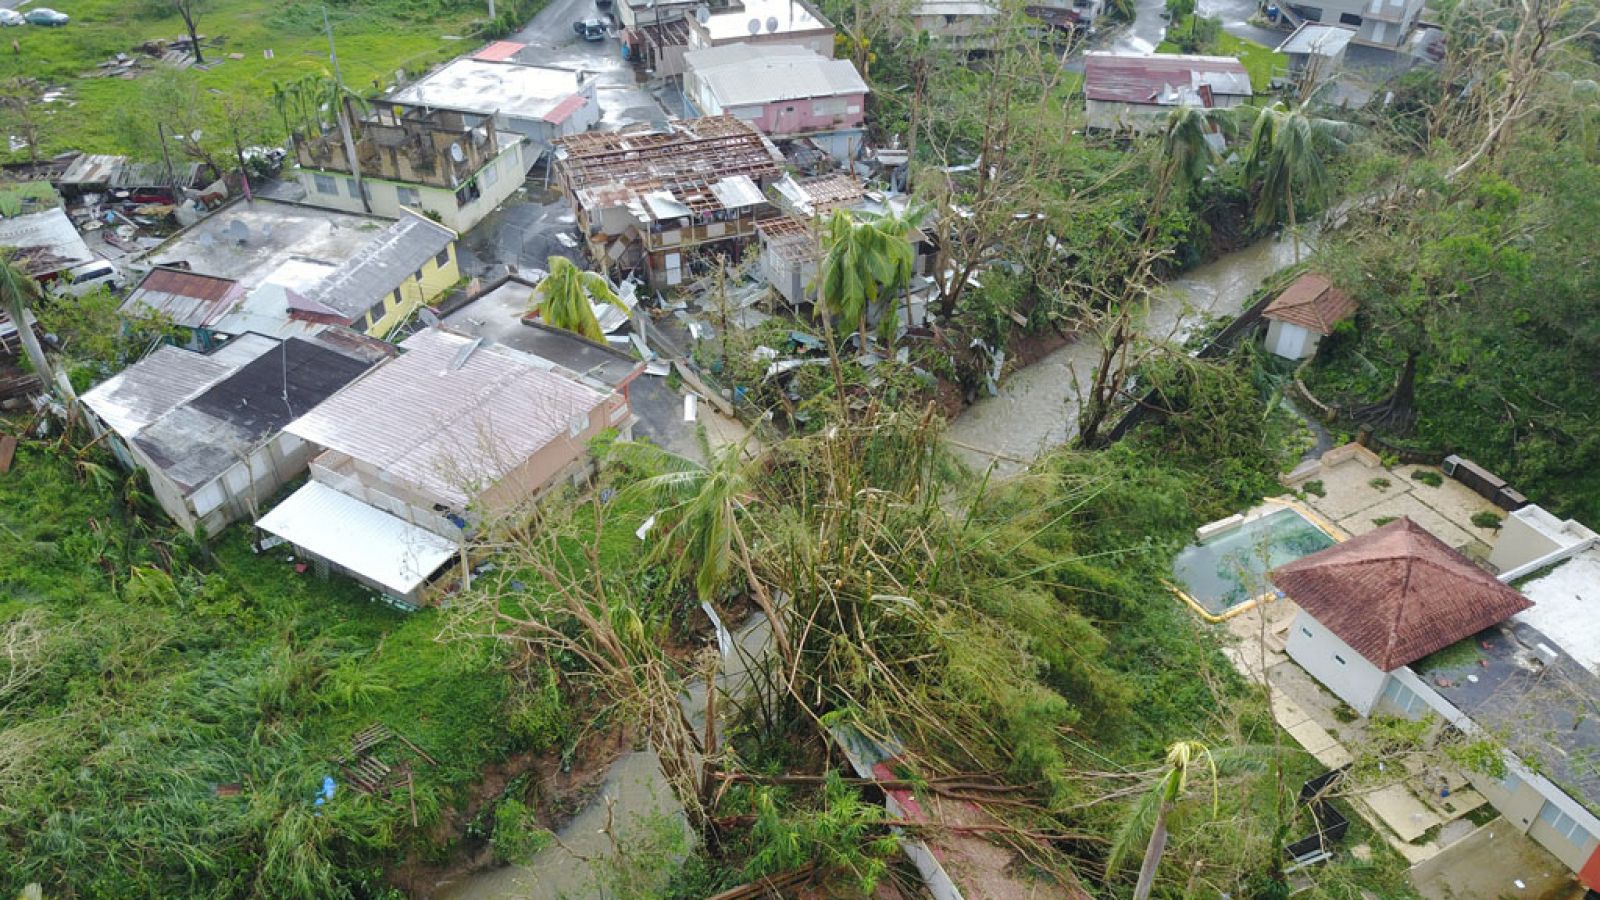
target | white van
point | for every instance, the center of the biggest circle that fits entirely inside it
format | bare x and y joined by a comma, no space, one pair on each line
85,278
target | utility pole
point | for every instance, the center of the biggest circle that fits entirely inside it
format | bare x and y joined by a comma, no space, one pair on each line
341,111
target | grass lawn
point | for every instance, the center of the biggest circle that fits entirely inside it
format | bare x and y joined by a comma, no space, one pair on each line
166,735
374,37
1261,62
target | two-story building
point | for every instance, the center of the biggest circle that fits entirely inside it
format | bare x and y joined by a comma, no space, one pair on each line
664,202
447,164
410,264
1377,23
425,448
763,23
787,91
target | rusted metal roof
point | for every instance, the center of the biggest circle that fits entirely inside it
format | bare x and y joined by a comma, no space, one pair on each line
449,416
1397,594
1312,302
187,299
1161,78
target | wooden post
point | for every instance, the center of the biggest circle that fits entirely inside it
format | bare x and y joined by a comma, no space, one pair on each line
709,746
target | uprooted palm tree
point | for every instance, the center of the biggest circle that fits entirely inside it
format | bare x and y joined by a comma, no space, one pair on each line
1148,819
1284,163
866,261
566,296
18,292
700,520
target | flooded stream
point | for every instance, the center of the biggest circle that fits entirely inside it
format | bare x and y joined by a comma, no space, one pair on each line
1037,408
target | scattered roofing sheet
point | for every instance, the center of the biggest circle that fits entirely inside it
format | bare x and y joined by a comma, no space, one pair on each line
382,266
92,169
1397,594
1161,78
1312,302
354,536
749,74
187,299
249,242
501,316
477,85
764,17
46,241
449,417
1316,39
210,432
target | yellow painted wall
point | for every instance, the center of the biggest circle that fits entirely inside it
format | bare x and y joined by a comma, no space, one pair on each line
436,279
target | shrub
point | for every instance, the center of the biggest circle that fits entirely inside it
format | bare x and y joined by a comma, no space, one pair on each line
1315,488
1380,483
1487,519
1383,520
517,837
1427,477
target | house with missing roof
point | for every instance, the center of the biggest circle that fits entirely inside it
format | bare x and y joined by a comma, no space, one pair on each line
454,164
411,457
1374,613
208,428
1135,92
1305,313
791,245
666,202
787,91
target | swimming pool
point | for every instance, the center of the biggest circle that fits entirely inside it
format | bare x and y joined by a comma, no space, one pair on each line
1227,573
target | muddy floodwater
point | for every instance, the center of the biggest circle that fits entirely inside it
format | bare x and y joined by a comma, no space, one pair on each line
1037,408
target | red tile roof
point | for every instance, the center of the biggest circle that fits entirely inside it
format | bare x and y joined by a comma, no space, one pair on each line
499,51
1312,302
1397,594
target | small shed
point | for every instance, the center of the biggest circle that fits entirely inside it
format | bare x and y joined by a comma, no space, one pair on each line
1304,314
190,300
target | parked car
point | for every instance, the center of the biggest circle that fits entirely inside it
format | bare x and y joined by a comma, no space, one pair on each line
84,279
590,29
10,17
46,17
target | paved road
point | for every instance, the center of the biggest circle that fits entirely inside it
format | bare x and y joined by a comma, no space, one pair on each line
1149,26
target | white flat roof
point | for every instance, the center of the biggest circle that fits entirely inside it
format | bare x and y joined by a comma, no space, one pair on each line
379,547
787,15
479,86
1566,607
1317,39
743,74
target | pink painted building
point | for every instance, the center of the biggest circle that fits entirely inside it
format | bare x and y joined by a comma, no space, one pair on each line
785,91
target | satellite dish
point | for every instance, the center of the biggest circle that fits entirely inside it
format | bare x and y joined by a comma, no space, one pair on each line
772,24
755,26
702,14
428,317
456,154
237,231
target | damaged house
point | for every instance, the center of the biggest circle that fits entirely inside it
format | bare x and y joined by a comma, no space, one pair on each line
208,428
1135,92
445,434
661,202
786,91
445,163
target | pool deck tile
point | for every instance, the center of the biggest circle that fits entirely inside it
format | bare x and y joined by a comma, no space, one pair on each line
1407,504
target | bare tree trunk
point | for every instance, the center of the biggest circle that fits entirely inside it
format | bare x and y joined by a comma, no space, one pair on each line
1152,855
187,12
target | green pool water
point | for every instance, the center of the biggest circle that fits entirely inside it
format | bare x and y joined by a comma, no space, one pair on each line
1231,568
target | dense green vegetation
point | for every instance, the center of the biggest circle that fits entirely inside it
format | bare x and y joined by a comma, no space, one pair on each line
167,714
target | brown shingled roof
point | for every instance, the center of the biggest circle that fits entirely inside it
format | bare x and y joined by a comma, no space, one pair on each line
1312,302
1397,594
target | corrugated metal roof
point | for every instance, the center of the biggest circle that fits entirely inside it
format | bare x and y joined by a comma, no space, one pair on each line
358,538
92,168
1161,79
738,192
742,74
188,299
449,430
383,265
47,241
1318,39
144,392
